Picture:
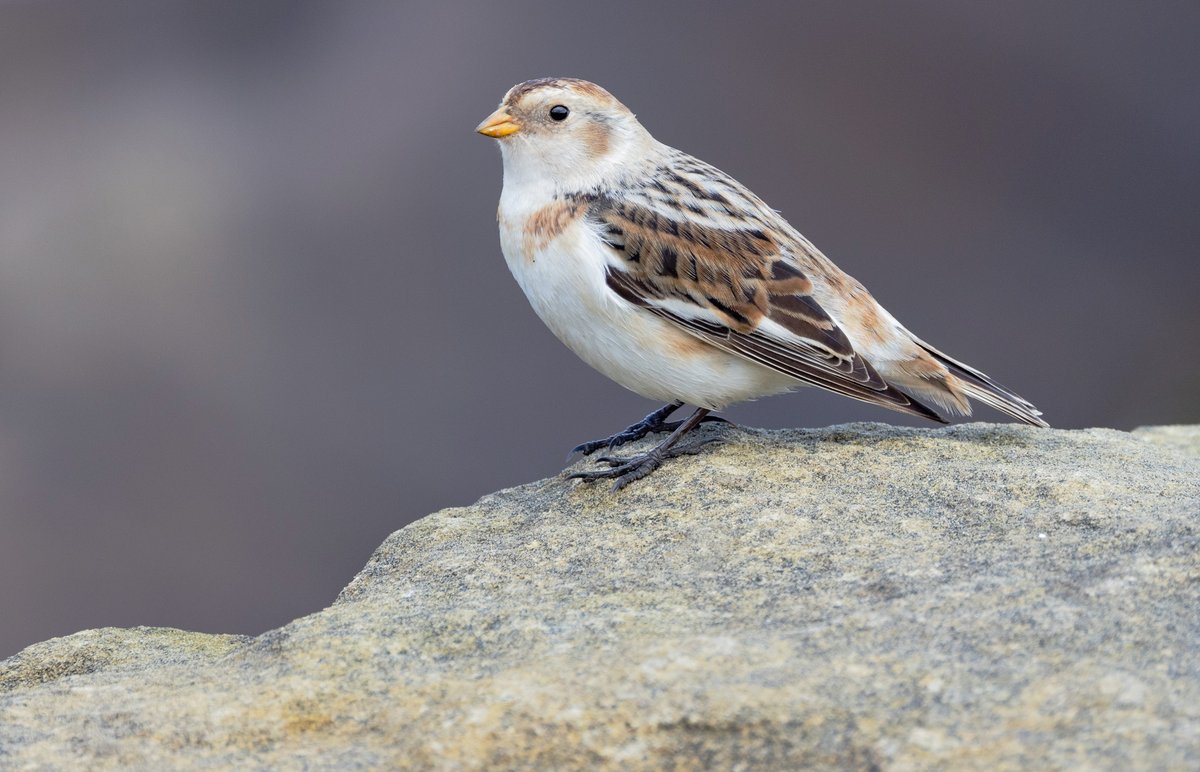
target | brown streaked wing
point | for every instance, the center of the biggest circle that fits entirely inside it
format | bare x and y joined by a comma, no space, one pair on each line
851,377
740,277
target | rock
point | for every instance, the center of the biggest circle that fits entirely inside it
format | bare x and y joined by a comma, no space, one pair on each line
976,596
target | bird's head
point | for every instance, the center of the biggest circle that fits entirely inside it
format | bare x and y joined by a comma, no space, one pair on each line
565,131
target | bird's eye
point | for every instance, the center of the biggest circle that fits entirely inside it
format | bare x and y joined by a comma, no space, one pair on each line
559,112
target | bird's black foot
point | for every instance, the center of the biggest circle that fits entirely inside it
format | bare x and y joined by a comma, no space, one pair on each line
626,470
655,423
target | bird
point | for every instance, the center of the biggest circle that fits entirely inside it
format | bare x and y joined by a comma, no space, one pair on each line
676,281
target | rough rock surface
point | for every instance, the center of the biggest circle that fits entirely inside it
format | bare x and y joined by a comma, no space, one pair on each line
976,596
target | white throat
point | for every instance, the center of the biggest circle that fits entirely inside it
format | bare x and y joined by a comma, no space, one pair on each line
556,167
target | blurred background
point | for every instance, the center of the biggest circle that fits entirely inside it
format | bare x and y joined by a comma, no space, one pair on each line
254,315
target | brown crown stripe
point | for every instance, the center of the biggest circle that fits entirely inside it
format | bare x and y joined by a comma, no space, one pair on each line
582,86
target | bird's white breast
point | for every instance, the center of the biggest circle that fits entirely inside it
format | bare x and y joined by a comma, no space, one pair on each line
562,273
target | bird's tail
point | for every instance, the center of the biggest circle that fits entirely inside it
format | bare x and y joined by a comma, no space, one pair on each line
980,387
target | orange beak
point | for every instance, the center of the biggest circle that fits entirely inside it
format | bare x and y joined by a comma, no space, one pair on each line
498,124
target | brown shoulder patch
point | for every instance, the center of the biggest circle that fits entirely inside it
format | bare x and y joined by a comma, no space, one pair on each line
548,223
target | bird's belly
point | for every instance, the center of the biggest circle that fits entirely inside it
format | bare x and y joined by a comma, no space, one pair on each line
564,282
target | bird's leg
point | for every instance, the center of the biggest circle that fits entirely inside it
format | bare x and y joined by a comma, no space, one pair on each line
655,422
626,470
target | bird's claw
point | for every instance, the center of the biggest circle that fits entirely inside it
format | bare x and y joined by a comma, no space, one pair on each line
654,423
651,424
627,470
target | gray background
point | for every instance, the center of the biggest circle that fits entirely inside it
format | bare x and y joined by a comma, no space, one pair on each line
254,317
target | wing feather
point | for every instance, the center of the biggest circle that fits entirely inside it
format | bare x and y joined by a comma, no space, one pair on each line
734,288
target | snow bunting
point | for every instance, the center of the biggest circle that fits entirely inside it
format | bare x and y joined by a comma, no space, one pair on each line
674,280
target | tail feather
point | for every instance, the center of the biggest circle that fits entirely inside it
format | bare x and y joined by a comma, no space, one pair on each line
980,387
